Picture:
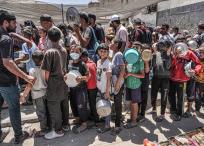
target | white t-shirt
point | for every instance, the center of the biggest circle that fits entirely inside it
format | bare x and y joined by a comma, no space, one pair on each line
122,34
40,86
102,69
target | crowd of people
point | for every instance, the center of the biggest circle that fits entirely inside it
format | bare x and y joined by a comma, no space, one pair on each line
35,63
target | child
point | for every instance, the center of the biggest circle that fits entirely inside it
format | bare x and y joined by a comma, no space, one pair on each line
104,80
145,85
118,71
178,78
161,64
43,33
78,94
91,85
200,83
54,64
28,49
38,91
133,76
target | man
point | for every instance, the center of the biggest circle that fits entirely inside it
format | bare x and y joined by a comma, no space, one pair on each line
121,31
86,37
138,35
47,23
147,32
200,38
69,39
100,34
9,72
176,33
165,35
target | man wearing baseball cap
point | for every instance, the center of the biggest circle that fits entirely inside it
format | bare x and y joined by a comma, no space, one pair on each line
121,31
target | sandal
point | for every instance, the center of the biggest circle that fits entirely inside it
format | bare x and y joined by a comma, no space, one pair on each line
103,130
130,125
80,129
38,133
187,115
116,131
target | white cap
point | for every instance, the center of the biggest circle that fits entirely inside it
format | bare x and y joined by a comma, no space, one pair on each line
114,18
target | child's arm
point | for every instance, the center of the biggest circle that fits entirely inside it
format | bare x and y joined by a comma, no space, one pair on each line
108,84
25,93
140,75
120,78
23,58
22,38
47,74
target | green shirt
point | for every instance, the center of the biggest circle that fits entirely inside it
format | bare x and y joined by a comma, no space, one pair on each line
133,82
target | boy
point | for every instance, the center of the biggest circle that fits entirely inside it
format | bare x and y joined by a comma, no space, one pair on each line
200,83
54,64
38,91
78,94
161,64
42,33
28,49
104,80
133,77
144,87
91,85
118,71
178,78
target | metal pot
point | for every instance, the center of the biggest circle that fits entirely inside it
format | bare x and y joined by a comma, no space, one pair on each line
103,107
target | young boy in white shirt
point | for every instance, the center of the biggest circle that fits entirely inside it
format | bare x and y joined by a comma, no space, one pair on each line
104,80
38,91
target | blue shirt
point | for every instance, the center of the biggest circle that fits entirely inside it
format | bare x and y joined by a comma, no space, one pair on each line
29,51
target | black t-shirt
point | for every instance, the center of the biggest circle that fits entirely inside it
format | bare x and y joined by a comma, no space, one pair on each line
6,51
82,68
99,32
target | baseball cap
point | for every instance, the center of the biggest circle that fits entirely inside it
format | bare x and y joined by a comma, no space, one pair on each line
137,21
115,18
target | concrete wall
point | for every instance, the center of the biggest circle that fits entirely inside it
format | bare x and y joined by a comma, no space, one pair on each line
185,14
175,3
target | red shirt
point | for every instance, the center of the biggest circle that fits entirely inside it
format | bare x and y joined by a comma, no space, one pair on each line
177,69
91,84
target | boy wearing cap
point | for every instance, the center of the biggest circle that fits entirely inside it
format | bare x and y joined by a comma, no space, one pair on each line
138,34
